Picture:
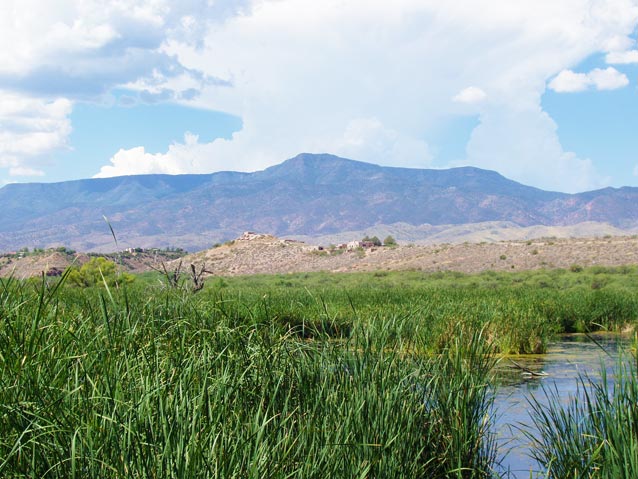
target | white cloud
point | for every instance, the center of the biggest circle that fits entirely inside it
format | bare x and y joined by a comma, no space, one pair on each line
470,95
30,128
187,157
369,139
529,152
608,79
617,43
568,81
83,48
622,58
136,161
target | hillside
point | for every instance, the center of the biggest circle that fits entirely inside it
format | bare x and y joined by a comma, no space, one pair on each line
253,253
54,262
309,195
266,254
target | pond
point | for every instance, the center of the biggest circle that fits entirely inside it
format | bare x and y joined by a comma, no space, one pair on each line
566,358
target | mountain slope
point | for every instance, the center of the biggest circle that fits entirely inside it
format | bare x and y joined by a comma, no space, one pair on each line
306,195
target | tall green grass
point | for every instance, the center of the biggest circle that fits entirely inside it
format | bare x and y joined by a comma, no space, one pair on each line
517,315
595,433
363,375
149,383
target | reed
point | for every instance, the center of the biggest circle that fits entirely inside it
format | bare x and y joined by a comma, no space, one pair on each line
594,435
144,383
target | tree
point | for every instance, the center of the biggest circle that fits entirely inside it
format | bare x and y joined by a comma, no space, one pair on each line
389,241
374,240
98,271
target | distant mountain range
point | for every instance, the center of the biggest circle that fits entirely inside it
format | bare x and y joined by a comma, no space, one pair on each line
309,195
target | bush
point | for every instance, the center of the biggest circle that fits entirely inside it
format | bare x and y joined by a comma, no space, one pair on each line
98,271
389,241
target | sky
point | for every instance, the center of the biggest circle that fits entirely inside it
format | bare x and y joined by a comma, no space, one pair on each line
545,92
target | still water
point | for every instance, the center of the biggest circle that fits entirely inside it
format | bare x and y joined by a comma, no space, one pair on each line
566,358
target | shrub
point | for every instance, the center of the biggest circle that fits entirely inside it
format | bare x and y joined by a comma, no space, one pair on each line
97,272
389,241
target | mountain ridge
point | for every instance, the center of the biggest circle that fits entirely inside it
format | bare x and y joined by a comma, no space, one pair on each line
309,195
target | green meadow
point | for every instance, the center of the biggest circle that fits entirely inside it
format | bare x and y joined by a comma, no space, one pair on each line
376,375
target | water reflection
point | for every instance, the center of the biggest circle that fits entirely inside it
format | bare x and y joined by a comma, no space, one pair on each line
566,358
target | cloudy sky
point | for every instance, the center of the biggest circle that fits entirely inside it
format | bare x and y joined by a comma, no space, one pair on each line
543,91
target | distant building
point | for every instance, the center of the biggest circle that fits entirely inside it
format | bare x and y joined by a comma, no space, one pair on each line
352,245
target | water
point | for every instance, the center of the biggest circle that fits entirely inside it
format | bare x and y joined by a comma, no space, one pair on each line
565,360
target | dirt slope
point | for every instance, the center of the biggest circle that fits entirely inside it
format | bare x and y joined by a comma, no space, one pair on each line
255,254
263,254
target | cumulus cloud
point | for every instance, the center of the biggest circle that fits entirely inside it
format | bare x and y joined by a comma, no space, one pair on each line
30,128
180,158
529,151
568,81
83,48
622,58
368,138
608,79
191,156
470,94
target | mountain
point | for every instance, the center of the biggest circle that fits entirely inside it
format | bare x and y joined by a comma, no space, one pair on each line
307,195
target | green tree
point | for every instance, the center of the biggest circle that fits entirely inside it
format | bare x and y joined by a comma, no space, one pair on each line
389,241
98,271
374,240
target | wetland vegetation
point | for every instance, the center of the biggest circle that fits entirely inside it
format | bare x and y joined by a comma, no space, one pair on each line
380,375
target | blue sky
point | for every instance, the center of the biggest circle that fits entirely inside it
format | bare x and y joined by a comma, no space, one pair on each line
99,131
600,125
544,92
